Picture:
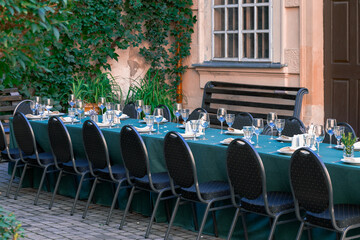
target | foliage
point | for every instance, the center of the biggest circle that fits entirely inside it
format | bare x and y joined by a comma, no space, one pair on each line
10,228
348,140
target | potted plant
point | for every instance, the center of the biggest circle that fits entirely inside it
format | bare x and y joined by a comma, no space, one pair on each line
348,141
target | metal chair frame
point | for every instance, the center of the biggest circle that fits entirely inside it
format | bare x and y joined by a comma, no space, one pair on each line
194,112
20,104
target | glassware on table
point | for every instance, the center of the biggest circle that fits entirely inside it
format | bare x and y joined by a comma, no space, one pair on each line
230,118
109,106
80,108
319,136
280,124
158,115
147,110
204,119
271,118
71,113
185,114
338,132
194,127
33,107
258,125
48,103
118,112
139,104
177,112
72,100
149,119
110,117
41,110
330,125
101,104
221,112
248,132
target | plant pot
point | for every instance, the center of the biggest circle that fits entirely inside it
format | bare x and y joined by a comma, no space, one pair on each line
92,106
348,151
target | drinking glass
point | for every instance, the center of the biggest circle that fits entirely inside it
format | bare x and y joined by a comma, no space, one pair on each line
280,124
147,110
33,106
48,103
80,108
41,110
248,132
258,124
149,119
338,132
139,104
118,111
101,104
319,136
109,106
194,127
110,116
159,115
71,113
330,124
72,100
230,118
221,112
177,112
204,119
271,117
185,114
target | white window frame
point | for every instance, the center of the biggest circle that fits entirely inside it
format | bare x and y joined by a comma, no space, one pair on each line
240,31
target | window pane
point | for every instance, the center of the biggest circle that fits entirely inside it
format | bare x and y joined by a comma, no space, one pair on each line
263,45
263,17
219,19
248,15
248,1
219,2
233,47
248,45
233,19
219,48
262,1
232,1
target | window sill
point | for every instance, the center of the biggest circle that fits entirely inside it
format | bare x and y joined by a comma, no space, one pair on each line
220,64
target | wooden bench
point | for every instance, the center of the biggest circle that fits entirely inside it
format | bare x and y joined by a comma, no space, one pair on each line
9,98
257,100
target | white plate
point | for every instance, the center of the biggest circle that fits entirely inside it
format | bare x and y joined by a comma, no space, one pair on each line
144,130
35,117
189,135
182,126
163,121
286,151
105,124
355,161
235,132
75,121
124,116
281,139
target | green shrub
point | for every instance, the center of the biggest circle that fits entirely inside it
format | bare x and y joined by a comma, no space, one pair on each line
10,228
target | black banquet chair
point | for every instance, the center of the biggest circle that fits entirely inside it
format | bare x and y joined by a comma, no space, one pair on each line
65,161
293,126
348,128
167,113
129,109
137,165
182,170
29,153
243,119
313,196
194,115
247,180
23,107
99,163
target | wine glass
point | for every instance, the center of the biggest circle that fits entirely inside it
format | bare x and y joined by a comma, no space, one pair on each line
147,110
80,108
101,104
71,113
177,112
72,100
194,127
139,104
280,124
185,114
204,119
221,112
159,115
330,124
319,136
258,124
230,118
248,132
271,117
110,117
118,111
33,106
149,119
338,132
109,106
41,110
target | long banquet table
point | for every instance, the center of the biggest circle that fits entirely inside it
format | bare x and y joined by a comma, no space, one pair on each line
210,157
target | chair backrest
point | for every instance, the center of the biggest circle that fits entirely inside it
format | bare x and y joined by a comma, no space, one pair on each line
348,129
129,109
134,153
167,113
3,143
23,107
95,145
293,126
24,134
179,160
245,170
310,181
194,115
60,140
242,119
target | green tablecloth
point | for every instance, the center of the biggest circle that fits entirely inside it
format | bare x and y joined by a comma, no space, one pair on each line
210,157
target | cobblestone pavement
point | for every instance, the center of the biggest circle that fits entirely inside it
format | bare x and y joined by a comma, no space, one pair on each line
41,223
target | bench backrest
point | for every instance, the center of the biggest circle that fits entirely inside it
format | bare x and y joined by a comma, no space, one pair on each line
258,100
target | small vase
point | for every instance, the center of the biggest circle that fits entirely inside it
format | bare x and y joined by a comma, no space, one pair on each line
348,151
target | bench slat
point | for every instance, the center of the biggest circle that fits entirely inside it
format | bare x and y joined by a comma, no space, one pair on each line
10,98
9,90
7,108
5,117
250,104
240,85
251,93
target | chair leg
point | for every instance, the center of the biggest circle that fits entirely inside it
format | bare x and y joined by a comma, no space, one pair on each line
244,226
203,221
153,214
90,197
40,185
127,207
77,194
301,228
113,203
309,234
193,207
55,190
233,224
215,224
167,210
343,234
12,178
272,231
172,218
21,180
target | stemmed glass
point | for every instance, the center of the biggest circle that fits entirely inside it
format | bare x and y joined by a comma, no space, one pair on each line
204,119
147,110
109,106
72,100
177,112
221,112
71,113
41,109
80,108
101,104
271,118
110,117
139,104
258,124
319,136
338,132
230,118
330,124
248,132
159,115
149,119
33,106
280,124
118,111
185,114
194,127
48,102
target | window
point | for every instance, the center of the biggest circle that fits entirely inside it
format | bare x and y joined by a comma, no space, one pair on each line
241,30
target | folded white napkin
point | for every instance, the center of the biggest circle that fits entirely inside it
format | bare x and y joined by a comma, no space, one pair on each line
123,116
67,119
143,129
235,131
106,124
31,116
228,140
